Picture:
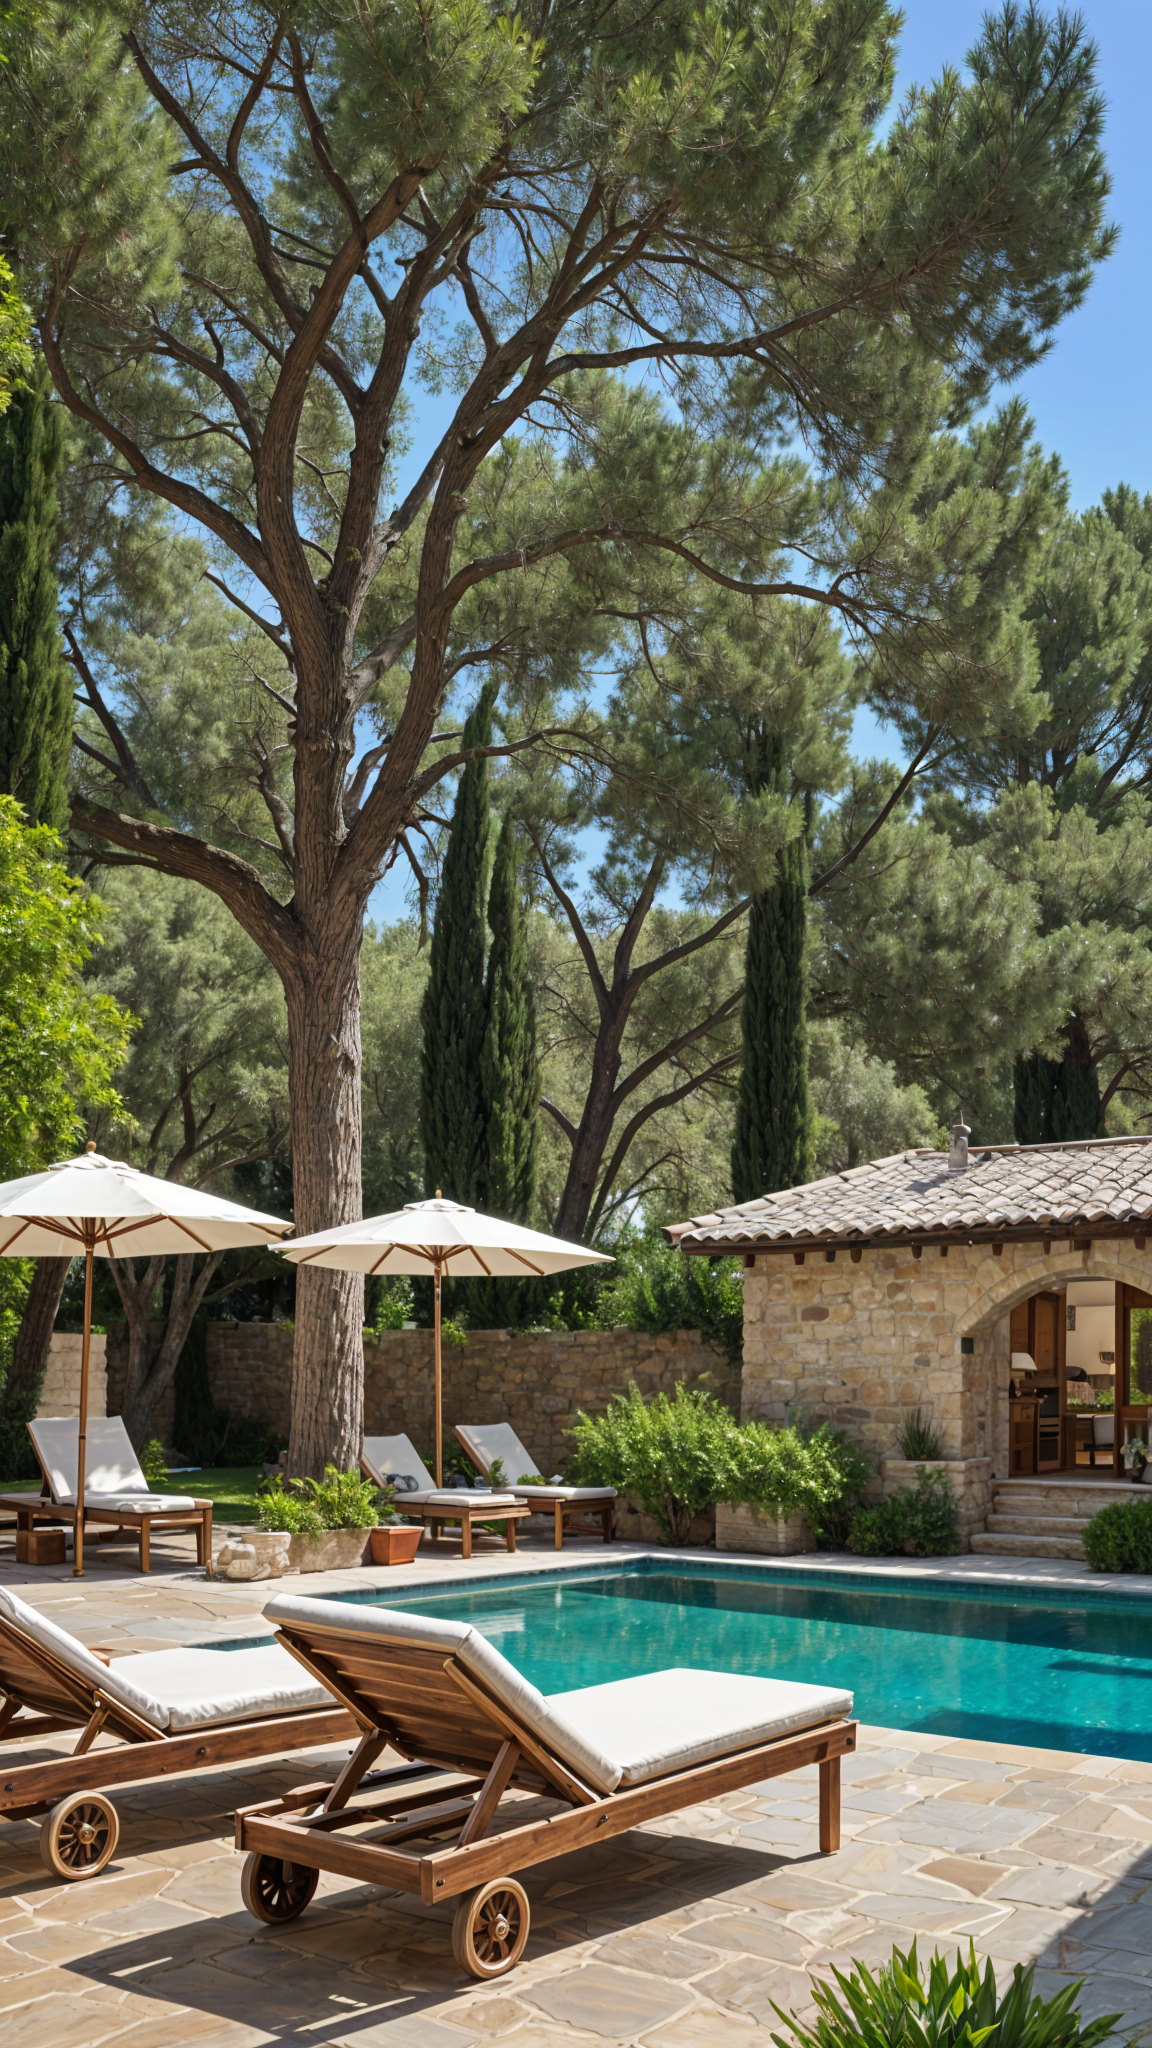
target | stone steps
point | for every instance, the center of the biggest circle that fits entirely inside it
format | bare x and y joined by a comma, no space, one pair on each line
1034,1525
995,1545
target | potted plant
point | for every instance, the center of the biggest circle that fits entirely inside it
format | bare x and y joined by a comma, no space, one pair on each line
1135,1458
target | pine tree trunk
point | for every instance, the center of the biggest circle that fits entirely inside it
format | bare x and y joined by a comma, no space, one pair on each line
324,1064
30,1350
150,1373
592,1136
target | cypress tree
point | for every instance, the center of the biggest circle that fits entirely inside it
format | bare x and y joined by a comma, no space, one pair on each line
510,1075
1057,1100
773,1143
452,1121
35,681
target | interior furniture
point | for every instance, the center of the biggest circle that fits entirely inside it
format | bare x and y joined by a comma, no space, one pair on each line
1022,1419
169,1710
116,1494
487,1441
501,1777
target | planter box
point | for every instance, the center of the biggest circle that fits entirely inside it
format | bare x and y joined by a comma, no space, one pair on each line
253,1554
632,1526
395,1543
335,1550
747,1528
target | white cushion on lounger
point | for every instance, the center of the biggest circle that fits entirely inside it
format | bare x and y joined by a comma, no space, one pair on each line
666,1720
384,1454
183,1688
467,1496
383,1625
135,1503
199,1688
486,1441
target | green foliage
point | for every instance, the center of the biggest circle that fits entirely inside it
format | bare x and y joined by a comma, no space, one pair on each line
344,1500
956,2008
452,1120
35,680
653,1287
15,337
154,1463
207,1434
919,1438
497,1473
1119,1537
17,1458
60,1044
915,1521
290,1512
682,1454
1055,1100
531,1479
849,1471
510,1076
390,1303
774,1138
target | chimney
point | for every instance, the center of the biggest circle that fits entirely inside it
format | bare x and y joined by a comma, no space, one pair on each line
958,1156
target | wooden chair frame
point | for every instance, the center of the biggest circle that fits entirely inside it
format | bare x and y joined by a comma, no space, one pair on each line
44,1507
426,1706
40,1695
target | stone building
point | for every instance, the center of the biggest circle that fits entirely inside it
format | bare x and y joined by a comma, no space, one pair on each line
1001,1289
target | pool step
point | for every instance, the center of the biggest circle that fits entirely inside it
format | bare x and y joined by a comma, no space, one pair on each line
1013,1524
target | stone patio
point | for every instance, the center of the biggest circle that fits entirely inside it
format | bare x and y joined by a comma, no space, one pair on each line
684,1933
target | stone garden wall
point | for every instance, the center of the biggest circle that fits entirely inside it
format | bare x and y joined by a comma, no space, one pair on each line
60,1394
536,1382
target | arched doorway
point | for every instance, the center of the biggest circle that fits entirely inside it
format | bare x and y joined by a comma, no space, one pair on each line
1081,1384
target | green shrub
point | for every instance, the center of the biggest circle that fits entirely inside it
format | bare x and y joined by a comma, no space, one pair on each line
675,1455
848,1472
957,2009
919,1438
291,1512
344,1500
154,1464
1119,1537
916,1521
390,1303
653,1287
682,1454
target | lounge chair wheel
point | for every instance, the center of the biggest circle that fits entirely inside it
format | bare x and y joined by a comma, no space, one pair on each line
80,1835
491,1928
274,1891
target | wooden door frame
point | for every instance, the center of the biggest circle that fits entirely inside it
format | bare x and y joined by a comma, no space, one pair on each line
1127,1298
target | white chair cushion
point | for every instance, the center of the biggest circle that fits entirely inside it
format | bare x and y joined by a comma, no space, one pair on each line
385,1454
550,1493
381,1626
666,1720
110,1463
83,1665
198,1688
137,1503
486,1441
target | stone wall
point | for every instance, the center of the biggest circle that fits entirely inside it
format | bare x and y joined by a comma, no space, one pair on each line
865,1341
60,1394
535,1382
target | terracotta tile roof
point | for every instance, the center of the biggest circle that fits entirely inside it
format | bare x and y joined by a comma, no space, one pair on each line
1019,1190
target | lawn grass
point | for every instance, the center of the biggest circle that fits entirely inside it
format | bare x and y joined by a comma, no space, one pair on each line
230,1488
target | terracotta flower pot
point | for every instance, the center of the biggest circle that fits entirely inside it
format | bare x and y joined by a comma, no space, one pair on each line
395,1544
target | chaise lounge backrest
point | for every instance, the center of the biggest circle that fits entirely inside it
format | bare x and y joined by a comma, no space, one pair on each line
387,1457
487,1441
391,1668
52,1672
110,1464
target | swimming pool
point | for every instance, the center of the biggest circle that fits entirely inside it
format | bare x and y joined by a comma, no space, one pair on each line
989,1662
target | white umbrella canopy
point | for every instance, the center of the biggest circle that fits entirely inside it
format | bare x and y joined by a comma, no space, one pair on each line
439,1238
105,1209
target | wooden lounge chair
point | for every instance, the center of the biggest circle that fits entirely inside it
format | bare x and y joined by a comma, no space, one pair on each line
169,1710
500,1776
116,1493
486,1441
392,1461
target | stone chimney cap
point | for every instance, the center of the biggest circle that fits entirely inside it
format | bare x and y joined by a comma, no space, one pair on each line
958,1156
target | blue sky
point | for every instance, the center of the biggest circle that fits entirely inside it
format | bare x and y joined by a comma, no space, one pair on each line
1091,397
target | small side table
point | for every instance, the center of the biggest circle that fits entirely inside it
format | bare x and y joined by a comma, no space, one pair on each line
437,1513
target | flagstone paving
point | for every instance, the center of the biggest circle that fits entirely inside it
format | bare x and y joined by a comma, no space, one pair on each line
686,1932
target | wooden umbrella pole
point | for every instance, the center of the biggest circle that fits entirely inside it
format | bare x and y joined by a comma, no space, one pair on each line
439,1398
81,1460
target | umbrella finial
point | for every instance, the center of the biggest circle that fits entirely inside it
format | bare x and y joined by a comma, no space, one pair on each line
91,1145
439,1196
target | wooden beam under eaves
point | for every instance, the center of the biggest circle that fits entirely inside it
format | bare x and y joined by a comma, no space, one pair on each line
799,1258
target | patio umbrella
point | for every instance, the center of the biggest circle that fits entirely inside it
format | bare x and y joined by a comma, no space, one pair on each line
99,1207
438,1238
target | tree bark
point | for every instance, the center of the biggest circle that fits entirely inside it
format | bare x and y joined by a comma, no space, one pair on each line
30,1351
324,1064
150,1373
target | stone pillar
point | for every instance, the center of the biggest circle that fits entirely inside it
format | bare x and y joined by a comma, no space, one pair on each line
60,1394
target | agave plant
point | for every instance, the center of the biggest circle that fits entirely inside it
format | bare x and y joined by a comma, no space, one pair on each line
957,2009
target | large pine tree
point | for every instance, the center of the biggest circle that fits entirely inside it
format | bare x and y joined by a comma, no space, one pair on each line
452,1120
773,1143
35,681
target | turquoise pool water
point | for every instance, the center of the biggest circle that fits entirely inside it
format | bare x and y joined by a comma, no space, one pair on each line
966,1662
